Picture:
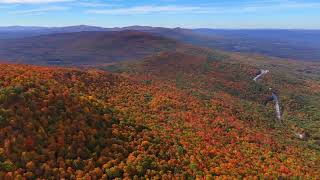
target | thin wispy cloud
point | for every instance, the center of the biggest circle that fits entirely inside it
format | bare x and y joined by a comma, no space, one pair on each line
278,5
94,4
40,10
208,9
146,10
32,1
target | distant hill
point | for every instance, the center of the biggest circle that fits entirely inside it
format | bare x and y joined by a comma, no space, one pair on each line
84,47
14,32
290,44
20,28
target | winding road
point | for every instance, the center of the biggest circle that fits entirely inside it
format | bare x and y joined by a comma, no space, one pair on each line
277,105
274,96
262,72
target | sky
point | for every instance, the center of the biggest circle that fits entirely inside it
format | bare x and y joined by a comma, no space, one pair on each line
230,14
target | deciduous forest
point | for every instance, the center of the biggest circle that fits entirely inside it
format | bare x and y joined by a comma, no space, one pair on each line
182,115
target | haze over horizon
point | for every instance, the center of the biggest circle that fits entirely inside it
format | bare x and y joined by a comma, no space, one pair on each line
243,14
173,27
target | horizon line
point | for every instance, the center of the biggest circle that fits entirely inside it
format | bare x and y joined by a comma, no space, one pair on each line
177,27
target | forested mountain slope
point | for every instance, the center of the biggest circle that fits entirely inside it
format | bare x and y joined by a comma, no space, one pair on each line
205,74
71,123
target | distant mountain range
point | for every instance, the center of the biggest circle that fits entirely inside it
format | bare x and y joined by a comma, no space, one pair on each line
294,44
51,29
84,48
290,44
14,32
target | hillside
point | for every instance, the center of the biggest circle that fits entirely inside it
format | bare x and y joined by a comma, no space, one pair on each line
302,45
84,47
71,123
207,74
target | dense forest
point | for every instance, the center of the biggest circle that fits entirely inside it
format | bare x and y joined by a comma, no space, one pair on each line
192,113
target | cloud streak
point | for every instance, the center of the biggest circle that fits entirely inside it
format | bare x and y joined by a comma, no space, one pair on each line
209,9
40,10
94,4
32,1
145,10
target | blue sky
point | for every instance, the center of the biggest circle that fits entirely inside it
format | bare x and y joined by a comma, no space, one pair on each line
290,14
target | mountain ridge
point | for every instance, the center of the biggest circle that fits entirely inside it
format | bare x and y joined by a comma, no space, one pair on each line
284,43
85,47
